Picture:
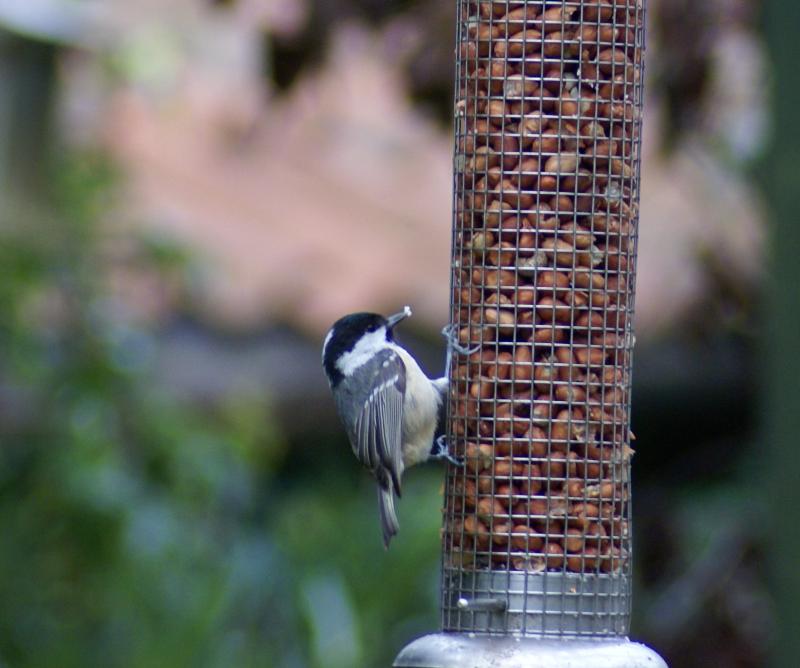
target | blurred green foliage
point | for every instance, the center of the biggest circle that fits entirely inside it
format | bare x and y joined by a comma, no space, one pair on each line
140,529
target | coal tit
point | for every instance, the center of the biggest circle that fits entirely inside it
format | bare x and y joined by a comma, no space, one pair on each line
389,407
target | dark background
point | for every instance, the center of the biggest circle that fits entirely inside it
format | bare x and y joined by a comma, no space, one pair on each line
174,489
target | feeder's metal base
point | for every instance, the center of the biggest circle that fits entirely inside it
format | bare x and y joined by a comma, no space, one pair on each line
536,604
457,650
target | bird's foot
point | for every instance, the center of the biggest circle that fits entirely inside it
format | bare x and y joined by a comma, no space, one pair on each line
448,332
441,450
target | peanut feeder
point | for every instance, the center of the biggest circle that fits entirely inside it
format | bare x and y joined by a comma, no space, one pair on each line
536,535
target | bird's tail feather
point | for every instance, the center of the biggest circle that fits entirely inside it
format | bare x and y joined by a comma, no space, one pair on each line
389,524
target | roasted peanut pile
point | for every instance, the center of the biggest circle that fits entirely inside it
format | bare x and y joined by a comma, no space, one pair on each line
548,126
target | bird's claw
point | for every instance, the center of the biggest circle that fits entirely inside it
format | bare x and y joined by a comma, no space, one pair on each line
453,344
442,451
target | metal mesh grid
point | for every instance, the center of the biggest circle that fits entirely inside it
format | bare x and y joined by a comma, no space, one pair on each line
537,525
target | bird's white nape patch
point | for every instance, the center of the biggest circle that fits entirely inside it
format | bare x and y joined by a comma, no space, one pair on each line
364,350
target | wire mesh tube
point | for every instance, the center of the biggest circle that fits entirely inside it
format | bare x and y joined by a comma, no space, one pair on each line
537,525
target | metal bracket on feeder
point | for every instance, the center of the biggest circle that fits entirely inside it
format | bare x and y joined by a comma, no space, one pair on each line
482,604
536,555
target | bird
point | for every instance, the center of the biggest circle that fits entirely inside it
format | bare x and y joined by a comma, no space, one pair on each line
389,407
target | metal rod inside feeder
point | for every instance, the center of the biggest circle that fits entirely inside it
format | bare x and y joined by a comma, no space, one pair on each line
536,541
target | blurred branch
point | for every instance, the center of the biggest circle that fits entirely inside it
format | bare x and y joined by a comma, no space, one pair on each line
27,76
781,455
685,600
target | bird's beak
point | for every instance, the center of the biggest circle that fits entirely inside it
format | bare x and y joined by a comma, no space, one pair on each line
397,317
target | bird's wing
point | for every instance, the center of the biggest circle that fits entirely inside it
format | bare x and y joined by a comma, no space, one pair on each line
376,431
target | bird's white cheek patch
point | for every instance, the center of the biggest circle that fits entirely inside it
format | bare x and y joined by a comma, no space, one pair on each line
364,351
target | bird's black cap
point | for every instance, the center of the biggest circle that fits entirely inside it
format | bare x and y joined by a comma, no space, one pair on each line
346,332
